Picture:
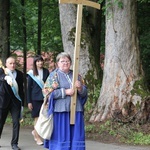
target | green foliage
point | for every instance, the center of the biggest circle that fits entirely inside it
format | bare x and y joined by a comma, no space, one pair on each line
100,1
103,127
51,36
144,1
144,38
132,133
93,91
27,119
140,89
90,128
139,138
119,3
109,5
126,133
50,32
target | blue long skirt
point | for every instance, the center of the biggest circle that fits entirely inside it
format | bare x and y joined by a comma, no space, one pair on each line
66,136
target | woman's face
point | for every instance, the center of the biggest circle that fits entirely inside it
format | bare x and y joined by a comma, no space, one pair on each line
64,64
39,64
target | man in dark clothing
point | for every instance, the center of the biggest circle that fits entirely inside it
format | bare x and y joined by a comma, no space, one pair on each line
11,98
7,99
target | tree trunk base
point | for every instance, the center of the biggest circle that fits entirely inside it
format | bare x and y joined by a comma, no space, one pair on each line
135,114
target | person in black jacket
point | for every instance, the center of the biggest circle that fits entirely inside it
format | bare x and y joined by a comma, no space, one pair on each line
9,102
36,79
6,96
13,97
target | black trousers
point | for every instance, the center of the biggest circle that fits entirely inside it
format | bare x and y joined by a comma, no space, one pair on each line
15,110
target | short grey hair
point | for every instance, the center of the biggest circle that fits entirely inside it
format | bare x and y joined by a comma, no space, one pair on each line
62,55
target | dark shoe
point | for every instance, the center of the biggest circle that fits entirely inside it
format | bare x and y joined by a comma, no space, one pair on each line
15,147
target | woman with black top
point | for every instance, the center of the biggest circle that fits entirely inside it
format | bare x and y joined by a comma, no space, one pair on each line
36,78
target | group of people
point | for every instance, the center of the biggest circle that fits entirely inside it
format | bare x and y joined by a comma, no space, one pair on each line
65,136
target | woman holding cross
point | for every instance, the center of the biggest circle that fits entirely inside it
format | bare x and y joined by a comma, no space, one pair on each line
66,136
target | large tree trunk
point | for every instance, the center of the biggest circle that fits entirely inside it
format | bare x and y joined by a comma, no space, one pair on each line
4,29
121,65
68,13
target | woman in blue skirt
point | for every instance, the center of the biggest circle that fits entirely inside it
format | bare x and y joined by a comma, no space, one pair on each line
66,136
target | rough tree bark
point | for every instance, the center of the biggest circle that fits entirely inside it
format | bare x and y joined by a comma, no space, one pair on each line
68,14
121,67
4,29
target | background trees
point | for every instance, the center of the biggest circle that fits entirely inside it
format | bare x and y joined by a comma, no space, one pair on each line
50,26
144,36
4,29
123,67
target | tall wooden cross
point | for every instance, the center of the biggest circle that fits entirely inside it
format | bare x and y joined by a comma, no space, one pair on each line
80,4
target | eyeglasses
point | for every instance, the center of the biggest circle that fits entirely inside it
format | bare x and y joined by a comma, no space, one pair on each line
63,62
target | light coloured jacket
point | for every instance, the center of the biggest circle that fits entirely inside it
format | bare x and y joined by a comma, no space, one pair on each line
61,100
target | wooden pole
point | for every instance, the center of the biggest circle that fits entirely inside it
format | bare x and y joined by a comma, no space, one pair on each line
76,62
77,48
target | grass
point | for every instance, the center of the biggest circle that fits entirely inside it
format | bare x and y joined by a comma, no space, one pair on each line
114,132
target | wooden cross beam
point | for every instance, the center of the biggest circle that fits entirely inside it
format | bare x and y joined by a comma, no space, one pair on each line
80,4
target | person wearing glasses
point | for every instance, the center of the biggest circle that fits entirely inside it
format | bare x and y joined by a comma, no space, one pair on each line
66,136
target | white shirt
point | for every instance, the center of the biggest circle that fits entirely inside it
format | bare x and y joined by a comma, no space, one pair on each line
14,73
40,73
